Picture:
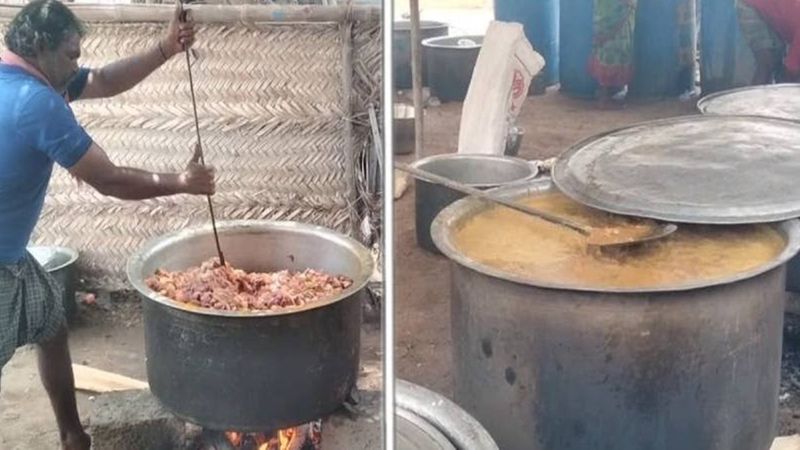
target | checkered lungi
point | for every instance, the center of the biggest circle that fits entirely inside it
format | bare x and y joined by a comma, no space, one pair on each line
30,306
756,31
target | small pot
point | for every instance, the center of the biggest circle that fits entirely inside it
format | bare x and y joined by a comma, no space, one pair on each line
403,129
477,171
514,140
60,263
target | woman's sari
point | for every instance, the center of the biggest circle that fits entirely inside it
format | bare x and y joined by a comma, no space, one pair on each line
611,63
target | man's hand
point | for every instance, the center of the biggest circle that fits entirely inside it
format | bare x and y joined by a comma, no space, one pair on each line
180,35
198,179
128,183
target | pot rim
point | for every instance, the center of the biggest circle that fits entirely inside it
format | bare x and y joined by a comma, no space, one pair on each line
447,219
134,269
400,25
530,165
419,404
705,102
434,42
73,255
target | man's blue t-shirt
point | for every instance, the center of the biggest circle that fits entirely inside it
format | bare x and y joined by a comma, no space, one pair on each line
38,127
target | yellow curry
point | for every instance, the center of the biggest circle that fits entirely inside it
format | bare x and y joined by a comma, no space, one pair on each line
540,251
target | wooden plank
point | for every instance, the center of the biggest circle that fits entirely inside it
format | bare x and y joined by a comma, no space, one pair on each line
99,381
786,443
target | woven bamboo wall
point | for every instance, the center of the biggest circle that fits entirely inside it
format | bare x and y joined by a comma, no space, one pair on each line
278,121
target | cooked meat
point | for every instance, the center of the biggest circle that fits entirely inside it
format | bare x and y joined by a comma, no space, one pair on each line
222,287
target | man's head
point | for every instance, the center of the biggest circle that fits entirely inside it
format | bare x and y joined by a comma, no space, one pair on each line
47,33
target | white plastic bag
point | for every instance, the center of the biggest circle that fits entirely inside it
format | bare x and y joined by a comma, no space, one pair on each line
499,85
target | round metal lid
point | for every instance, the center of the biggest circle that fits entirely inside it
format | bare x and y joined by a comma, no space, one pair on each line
780,101
695,169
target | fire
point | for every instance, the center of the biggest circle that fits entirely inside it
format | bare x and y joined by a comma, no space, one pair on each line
303,437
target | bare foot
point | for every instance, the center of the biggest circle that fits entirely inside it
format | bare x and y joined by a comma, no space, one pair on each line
76,441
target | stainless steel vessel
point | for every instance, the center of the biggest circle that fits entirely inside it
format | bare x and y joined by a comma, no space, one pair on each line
429,421
253,371
547,366
477,171
60,263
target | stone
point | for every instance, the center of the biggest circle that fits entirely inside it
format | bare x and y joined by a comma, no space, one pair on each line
134,420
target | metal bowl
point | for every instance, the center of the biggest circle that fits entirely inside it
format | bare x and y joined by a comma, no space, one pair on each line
60,263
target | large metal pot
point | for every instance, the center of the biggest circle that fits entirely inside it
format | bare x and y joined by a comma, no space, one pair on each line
401,49
478,171
261,370
549,366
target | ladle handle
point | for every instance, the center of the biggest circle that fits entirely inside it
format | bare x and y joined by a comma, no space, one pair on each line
446,182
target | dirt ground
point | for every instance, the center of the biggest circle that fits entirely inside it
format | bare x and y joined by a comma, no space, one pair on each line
108,337
422,316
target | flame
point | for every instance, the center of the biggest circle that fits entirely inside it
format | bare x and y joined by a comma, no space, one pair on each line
287,439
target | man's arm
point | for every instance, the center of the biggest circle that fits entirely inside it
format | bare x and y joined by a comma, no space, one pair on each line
119,76
97,170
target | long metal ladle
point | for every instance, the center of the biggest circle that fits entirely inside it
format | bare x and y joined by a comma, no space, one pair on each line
184,18
600,237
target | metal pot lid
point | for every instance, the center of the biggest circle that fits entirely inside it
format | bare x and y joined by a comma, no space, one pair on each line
697,169
780,101
414,433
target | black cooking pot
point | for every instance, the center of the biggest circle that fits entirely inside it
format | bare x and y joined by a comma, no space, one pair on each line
253,371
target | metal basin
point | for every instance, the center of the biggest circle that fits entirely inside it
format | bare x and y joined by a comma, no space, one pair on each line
426,420
449,65
253,371
478,171
60,263
553,367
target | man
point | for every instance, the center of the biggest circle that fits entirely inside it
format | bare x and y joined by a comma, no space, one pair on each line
39,75
771,28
